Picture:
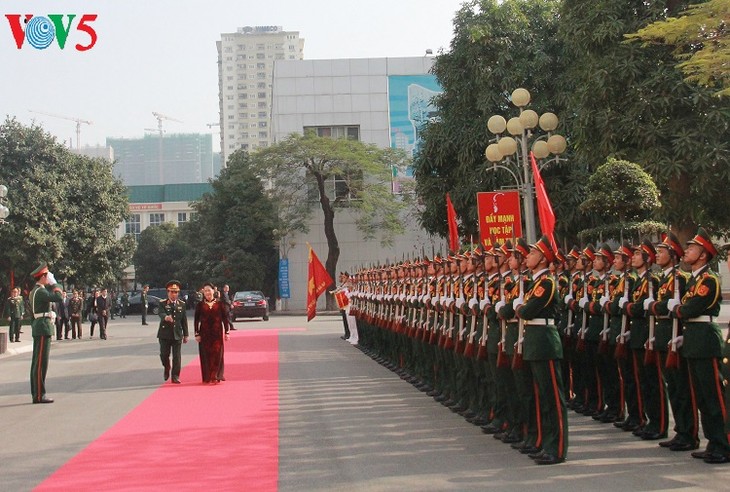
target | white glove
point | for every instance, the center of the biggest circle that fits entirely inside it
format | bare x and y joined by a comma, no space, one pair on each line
603,301
623,302
618,338
568,298
520,341
483,303
517,303
672,303
499,306
603,333
647,303
472,303
425,298
627,336
51,278
448,302
582,302
459,303
679,340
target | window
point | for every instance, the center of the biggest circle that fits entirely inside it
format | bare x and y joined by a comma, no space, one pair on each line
263,134
263,124
261,66
262,105
263,114
261,85
182,217
133,225
156,219
262,95
349,132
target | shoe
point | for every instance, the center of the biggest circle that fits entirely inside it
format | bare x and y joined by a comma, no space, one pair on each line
166,374
478,421
12,341
510,438
630,427
176,380
608,418
66,338
499,435
145,324
599,416
638,431
653,436
491,429
620,423
683,446
701,455
716,458
548,459
536,455
44,400
669,443
468,414
530,450
343,337
519,445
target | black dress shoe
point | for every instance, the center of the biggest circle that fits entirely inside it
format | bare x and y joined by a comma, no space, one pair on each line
536,455
166,374
638,431
518,445
669,443
701,455
608,418
44,400
716,458
511,437
491,429
653,436
548,459
175,381
683,446
479,421
620,423
528,450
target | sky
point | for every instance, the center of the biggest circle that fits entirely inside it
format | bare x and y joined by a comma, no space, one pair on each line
160,55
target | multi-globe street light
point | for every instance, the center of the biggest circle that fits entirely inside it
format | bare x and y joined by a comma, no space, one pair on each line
512,149
4,210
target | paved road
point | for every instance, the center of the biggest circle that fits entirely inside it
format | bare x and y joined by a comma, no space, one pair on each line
346,423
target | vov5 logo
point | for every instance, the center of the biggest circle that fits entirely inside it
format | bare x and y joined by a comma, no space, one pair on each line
40,31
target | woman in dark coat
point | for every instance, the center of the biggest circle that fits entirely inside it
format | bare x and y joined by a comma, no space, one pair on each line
211,322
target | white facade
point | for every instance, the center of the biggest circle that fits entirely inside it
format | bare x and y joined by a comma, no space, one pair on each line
245,68
338,96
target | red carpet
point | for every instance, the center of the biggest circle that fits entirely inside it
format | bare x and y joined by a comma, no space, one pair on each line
193,436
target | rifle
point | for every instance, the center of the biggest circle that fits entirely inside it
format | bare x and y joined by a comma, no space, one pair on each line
581,345
502,360
620,352
673,355
482,352
517,356
603,344
462,322
569,324
469,350
649,354
448,340
433,333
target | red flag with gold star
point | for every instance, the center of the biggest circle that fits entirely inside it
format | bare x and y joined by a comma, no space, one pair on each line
317,283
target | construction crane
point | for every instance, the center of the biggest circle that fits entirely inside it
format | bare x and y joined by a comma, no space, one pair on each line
211,125
77,120
161,117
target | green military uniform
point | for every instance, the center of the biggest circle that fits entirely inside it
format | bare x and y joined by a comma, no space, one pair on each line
14,310
125,304
144,305
41,298
543,349
172,334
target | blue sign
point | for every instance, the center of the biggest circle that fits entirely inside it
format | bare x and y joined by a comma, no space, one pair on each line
284,278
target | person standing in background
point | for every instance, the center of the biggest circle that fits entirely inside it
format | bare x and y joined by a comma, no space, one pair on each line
62,317
103,303
144,303
75,307
14,311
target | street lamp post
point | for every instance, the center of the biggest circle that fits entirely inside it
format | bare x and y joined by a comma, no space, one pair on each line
4,210
505,149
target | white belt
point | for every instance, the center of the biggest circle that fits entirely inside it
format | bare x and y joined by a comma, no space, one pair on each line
49,314
513,320
539,322
661,317
700,319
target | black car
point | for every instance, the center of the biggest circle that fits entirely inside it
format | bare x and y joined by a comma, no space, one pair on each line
135,304
250,304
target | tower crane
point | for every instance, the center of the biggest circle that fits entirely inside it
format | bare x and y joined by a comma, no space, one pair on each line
161,117
77,120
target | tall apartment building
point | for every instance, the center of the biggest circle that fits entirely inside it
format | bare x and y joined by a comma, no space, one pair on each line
245,73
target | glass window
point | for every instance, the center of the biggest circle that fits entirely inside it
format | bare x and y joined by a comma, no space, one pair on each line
156,218
133,225
182,217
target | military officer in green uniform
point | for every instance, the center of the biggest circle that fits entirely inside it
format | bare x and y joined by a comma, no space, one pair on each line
702,344
542,349
43,294
14,312
144,303
173,331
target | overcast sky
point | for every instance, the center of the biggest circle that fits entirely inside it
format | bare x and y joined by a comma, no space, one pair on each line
160,55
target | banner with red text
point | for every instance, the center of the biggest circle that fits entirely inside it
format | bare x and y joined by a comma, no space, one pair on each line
500,218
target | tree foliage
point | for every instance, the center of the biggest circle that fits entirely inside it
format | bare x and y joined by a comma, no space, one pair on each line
700,40
65,209
231,238
300,171
156,254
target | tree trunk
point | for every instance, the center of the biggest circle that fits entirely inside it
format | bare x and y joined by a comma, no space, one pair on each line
679,194
333,246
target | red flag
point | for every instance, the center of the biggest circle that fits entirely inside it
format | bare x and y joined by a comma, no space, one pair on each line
453,230
544,209
317,282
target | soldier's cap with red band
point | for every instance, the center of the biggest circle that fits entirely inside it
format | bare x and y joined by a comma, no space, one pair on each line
589,252
573,254
560,255
647,247
543,246
670,241
40,271
606,252
504,250
521,247
703,239
625,250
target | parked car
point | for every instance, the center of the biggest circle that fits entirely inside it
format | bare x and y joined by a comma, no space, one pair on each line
135,304
250,304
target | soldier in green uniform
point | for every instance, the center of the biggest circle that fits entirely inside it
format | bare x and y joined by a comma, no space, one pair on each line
43,294
173,330
14,312
125,304
702,344
543,350
144,303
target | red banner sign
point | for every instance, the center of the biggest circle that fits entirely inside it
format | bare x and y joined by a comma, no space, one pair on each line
499,216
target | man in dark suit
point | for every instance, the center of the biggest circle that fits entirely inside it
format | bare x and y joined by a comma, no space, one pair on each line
62,317
227,299
103,304
173,331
